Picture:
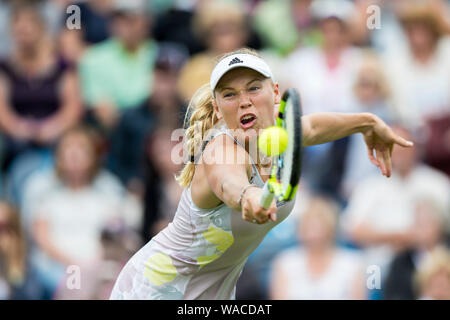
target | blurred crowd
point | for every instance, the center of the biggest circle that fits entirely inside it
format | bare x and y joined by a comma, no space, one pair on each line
88,111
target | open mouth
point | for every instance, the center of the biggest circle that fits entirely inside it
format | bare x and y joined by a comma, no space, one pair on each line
247,120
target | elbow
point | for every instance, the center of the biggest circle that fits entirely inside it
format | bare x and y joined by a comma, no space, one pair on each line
307,131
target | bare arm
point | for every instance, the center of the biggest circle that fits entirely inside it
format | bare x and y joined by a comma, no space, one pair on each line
43,240
364,235
227,176
327,126
324,127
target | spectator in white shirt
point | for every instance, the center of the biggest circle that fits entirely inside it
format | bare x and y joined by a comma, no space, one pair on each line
68,221
319,268
420,71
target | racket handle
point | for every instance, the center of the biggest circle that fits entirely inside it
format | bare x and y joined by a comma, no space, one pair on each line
267,196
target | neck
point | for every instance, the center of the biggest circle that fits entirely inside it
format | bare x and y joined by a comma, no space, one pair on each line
131,48
332,49
77,184
318,251
29,53
423,54
34,58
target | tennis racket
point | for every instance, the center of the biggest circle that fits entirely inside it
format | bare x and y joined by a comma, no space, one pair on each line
286,167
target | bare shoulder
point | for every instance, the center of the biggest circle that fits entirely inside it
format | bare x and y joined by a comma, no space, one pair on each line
220,154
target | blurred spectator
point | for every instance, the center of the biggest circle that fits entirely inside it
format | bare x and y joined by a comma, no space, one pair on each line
324,76
174,24
39,97
420,72
17,279
222,26
371,94
380,213
430,222
162,192
437,143
163,108
297,27
68,220
51,10
95,18
116,74
118,245
47,180
319,269
433,279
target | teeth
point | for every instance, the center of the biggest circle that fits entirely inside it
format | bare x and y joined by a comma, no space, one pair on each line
247,117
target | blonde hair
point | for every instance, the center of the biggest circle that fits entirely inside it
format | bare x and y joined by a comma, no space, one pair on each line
200,118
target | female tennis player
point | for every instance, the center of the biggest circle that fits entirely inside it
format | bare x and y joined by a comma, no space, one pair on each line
219,220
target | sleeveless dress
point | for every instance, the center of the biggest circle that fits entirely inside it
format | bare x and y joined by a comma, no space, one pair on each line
199,255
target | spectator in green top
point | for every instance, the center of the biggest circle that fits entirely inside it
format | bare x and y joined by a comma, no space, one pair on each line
117,72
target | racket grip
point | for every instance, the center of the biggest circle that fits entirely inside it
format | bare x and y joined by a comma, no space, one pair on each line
267,196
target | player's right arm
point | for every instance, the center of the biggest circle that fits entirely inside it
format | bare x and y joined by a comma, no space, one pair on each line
225,167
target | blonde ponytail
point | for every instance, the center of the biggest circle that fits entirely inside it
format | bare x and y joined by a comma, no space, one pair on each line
200,117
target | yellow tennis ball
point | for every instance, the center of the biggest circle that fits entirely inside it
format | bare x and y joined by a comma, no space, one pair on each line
273,141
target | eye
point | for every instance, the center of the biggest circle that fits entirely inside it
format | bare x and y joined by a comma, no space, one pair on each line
255,88
228,94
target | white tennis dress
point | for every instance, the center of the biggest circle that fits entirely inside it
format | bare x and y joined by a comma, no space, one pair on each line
199,255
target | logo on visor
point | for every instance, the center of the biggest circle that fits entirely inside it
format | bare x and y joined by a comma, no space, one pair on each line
234,61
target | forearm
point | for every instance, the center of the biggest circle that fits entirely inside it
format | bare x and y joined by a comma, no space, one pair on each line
365,235
41,236
231,188
226,180
328,126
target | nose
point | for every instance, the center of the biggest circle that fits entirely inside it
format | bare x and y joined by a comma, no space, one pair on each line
244,100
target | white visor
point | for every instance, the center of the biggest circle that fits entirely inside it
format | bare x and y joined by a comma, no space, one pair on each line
240,60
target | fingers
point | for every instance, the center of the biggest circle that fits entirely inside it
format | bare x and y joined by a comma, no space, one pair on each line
383,161
371,157
380,159
403,142
273,211
387,163
253,212
262,215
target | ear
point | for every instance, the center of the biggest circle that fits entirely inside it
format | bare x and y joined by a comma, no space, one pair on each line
277,99
276,90
216,109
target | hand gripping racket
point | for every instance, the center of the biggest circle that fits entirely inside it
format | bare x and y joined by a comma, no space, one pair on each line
286,167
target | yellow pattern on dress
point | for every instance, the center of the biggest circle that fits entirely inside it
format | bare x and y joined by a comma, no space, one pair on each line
159,269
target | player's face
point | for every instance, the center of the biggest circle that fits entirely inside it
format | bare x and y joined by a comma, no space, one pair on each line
245,100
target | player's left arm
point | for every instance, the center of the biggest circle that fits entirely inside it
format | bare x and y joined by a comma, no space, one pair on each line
329,126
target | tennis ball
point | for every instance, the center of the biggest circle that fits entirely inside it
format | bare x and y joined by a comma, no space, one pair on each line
273,141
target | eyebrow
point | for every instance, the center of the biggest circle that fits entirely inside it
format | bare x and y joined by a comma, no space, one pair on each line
229,88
